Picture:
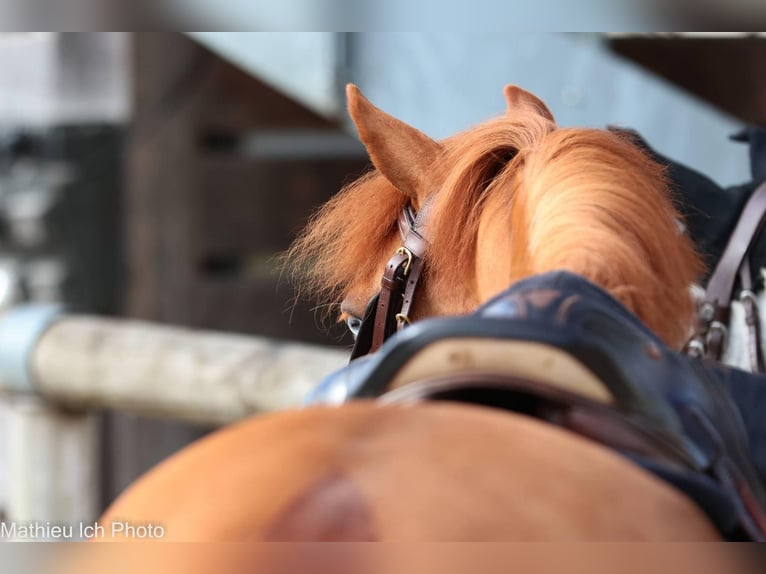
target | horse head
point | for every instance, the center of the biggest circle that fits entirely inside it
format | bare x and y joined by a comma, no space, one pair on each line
513,197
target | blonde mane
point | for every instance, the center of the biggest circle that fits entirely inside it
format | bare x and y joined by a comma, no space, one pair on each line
584,200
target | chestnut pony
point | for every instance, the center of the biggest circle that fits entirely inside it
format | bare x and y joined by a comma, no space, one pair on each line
513,197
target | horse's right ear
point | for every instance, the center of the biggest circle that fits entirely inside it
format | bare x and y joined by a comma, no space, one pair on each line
402,154
516,97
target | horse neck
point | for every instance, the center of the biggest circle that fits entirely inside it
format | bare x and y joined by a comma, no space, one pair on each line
600,232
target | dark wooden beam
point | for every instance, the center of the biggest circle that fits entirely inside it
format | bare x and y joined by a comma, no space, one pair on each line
727,72
190,202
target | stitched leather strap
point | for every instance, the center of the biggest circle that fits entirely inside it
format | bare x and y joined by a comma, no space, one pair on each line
416,244
715,312
721,284
401,277
388,305
409,291
409,229
752,318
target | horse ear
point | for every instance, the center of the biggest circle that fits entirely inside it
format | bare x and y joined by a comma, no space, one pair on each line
516,97
402,154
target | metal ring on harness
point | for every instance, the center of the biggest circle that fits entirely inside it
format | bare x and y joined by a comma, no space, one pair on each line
721,329
696,348
408,265
402,319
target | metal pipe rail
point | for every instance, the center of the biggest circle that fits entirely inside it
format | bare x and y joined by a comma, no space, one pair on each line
56,368
85,362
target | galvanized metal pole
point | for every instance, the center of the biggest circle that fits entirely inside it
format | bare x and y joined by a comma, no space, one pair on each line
53,469
50,455
56,367
204,377
83,362
4,456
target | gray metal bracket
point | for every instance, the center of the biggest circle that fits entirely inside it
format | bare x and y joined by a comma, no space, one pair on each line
20,329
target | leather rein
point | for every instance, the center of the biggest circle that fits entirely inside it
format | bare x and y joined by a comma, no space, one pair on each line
389,311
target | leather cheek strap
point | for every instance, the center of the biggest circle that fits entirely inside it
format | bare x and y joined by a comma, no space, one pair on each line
400,279
409,291
390,289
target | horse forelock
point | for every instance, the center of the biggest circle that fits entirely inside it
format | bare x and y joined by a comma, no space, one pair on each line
345,239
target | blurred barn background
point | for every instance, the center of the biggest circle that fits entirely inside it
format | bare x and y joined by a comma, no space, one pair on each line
158,175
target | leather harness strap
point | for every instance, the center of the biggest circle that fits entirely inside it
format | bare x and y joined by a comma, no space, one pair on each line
390,289
752,318
415,244
721,283
710,338
401,277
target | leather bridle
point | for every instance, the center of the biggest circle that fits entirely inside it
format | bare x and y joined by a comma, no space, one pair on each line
389,311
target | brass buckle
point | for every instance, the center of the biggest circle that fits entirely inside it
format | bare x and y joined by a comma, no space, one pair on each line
407,266
402,320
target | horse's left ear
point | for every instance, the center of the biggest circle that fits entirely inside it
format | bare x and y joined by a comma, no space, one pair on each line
402,154
516,97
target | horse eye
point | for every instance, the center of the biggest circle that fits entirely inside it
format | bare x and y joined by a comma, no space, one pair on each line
354,324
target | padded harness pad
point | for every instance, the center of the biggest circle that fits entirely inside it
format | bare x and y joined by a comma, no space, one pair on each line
557,347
